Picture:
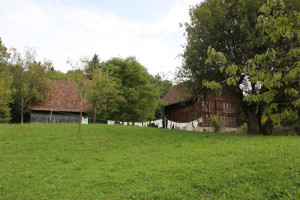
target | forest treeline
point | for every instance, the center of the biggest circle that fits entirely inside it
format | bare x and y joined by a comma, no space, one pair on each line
117,89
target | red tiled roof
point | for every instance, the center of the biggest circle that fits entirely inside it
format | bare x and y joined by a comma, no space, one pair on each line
177,94
62,97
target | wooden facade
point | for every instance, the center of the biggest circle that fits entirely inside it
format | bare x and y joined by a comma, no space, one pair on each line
182,109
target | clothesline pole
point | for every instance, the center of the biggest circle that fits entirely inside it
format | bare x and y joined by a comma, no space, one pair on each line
165,123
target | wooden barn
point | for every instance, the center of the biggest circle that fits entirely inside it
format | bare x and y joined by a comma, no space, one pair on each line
179,107
61,106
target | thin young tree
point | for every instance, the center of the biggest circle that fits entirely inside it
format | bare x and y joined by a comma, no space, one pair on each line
82,83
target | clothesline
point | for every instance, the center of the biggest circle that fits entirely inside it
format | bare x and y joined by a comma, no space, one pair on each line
189,126
159,123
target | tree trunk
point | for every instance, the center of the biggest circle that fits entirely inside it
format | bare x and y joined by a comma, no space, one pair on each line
22,110
253,126
80,119
261,108
95,115
21,116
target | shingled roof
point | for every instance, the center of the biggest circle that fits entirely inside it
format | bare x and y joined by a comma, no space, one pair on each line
62,97
177,94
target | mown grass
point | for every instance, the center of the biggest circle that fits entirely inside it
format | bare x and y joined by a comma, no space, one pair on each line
47,161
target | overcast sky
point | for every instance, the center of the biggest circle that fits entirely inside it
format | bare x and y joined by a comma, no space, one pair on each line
62,29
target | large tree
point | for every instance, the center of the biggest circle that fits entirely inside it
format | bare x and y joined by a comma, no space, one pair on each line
230,27
102,91
30,82
141,97
5,84
276,72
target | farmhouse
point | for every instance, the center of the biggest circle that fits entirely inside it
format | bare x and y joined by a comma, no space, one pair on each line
61,106
181,107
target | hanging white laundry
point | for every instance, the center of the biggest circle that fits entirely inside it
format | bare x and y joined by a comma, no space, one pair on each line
189,126
159,123
174,125
110,122
85,120
125,123
200,120
136,123
183,126
169,124
195,123
129,123
179,125
145,124
140,124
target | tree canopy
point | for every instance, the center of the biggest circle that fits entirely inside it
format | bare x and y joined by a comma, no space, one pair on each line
6,80
102,92
30,81
141,97
92,66
229,27
276,72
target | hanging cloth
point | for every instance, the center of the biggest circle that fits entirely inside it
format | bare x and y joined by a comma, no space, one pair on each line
169,126
85,120
195,123
110,122
189,126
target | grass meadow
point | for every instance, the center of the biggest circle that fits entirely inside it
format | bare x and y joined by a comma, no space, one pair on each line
47,161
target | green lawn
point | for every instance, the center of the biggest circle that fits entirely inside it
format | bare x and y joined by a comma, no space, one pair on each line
47,161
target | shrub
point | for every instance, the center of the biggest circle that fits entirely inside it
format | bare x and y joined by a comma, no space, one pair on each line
217,122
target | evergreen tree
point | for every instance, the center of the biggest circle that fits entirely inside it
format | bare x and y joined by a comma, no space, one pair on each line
92,66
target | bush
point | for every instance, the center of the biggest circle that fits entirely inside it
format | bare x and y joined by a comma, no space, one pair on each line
297,127
217,122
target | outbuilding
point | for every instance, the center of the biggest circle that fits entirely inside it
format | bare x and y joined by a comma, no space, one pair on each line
61,106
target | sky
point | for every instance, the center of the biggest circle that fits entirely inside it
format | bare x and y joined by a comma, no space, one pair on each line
69,29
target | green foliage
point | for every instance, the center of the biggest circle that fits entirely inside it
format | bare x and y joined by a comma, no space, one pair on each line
6,92
29,80
92,66
4,54
46,161
57,75
102,92
217,122
141,97
276,72
221,37
164,87
5,85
